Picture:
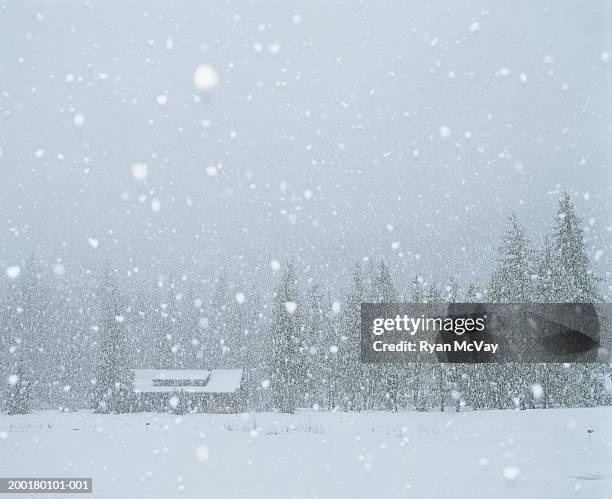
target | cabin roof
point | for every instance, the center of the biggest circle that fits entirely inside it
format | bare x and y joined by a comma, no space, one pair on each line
187,380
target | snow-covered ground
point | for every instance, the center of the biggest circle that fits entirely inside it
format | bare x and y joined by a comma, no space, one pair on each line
492,454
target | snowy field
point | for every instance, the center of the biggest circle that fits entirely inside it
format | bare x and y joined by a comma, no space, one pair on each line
494,454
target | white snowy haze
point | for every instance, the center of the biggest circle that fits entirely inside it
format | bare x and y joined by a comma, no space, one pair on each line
181,137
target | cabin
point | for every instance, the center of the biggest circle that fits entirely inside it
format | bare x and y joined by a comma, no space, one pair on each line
189,390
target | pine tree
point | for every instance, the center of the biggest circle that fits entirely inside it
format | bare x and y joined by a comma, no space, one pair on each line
287,362
114,378
471,294
434,295
314,348
511,280
564,275
452,291
18,399
417,290
30,318
351,370
573,280
383,290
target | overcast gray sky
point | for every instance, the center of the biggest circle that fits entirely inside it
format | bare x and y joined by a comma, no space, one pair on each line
337,130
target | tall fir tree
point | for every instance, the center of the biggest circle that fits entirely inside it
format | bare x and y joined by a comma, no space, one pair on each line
511,281
30,329
287,364
383,290
573,280
114,377
313,346
351,370
452,291
18,397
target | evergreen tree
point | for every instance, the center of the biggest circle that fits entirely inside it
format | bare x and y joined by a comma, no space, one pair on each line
383,290
417,290
351,370
30,329
18,399
452,291
434,295
573,280
287,363
471,294
511,280
114,378
314,348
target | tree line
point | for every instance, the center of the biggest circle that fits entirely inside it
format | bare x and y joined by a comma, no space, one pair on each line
66,347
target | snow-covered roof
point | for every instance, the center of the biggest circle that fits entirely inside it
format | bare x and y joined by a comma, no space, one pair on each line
187,380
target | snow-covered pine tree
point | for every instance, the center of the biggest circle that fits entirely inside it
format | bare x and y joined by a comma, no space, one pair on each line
314,332
30,329
394,376
114,377
417,290
511,281
471,294
564,275
287,364
573,280
434,295
217,332
383,290
350,370
18,397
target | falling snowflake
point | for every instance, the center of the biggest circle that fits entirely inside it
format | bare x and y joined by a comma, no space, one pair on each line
445,132
79,119
205,77
511,473
290,306
202,453
140,171
13,271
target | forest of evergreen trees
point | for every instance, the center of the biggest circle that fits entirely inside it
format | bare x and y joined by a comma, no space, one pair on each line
62,346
